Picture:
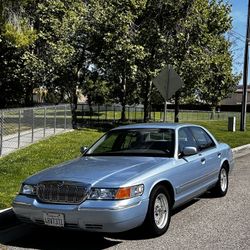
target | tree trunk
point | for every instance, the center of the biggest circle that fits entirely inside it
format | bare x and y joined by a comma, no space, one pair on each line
89,100
147,97
74,108
123,114
213,113
28,99
177,107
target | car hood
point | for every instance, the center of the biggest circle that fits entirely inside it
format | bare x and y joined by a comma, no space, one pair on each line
100,170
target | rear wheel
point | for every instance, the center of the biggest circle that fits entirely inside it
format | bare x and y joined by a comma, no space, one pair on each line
221,187
159,213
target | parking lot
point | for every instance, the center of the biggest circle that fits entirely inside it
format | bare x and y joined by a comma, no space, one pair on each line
205,223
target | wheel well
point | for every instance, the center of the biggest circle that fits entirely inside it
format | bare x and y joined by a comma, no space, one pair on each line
170,189
226,165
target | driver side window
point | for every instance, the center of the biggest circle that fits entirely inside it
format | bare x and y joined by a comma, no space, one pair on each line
185,139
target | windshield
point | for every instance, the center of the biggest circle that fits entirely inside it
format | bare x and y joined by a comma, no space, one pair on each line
138,142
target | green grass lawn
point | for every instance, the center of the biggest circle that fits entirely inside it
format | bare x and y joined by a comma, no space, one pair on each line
220,132
15,167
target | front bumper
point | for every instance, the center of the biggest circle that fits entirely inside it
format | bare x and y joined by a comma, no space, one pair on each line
91,215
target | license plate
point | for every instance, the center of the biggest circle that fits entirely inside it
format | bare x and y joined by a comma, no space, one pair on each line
53,219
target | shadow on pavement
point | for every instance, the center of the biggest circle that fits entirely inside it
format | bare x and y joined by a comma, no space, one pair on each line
28,236
17,234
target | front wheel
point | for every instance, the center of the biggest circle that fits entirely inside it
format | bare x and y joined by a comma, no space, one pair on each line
159,214
221,187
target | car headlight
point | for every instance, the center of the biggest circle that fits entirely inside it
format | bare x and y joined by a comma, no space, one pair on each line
116,193
27,189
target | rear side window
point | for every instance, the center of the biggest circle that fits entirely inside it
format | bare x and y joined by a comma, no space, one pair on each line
203,140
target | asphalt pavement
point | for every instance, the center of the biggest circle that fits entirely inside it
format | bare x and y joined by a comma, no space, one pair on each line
205,223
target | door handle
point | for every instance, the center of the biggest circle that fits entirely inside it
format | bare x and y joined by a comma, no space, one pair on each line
219,155
203,161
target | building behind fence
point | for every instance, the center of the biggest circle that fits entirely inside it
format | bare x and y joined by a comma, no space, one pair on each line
23,126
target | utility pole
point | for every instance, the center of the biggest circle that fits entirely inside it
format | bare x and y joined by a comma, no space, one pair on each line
245,75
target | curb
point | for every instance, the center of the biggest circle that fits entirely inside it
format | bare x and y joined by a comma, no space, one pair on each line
247,146
241,151
5,210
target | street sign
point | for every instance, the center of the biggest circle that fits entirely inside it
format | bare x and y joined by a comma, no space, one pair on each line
168,82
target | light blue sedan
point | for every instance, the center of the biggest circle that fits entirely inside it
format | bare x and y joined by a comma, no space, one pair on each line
134,175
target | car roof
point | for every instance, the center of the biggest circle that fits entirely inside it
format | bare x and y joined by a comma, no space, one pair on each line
155,125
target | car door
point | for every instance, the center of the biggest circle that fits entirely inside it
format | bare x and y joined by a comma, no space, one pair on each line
189,170
210,157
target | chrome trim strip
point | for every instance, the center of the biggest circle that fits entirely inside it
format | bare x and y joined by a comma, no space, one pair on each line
110,209
19,203
195,181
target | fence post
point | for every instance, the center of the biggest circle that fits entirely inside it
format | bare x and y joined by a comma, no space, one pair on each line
91,112
83,113
19,128
106,113
98,119
32,126
44,123
1,133
65,120
55,120
82,110
135,113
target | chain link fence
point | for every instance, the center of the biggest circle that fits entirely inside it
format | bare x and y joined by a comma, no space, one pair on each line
21,127
99,114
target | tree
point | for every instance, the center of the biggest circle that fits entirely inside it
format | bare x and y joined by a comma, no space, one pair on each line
220,83
117,48
61,29
158,25
202,54
111,50
16,35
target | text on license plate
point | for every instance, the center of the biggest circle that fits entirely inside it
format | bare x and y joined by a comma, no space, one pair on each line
53,219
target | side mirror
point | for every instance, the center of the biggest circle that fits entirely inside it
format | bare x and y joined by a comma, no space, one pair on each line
83,149
189,151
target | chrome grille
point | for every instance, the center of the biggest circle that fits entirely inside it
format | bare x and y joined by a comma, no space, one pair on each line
62,192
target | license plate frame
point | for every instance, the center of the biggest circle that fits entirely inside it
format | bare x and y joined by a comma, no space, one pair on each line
53,219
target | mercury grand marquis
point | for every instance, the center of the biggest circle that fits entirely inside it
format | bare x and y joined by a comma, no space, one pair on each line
134,175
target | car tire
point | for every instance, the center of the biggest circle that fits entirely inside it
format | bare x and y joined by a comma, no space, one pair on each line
221,187
159,212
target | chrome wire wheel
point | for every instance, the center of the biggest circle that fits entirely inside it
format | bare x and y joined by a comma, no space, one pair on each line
161,210
223,180
221,187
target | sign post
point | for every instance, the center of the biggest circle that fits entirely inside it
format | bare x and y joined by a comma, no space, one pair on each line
167,82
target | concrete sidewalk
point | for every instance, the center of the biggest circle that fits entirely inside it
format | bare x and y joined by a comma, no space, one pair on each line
13,142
